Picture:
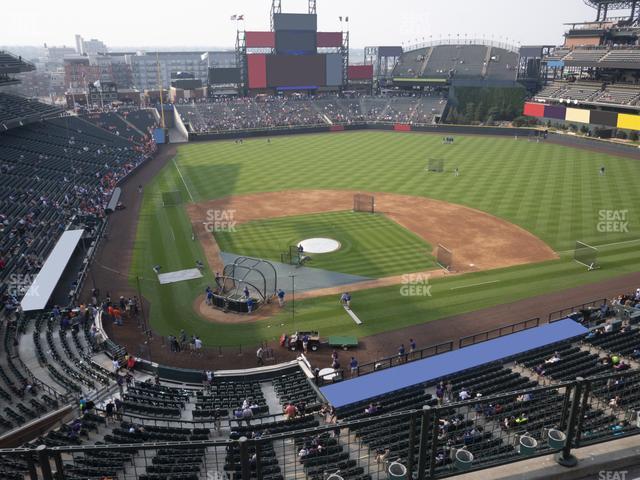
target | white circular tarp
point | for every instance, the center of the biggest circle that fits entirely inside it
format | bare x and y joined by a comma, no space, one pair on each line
319,245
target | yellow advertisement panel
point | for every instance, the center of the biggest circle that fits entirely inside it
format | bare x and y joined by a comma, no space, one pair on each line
629,122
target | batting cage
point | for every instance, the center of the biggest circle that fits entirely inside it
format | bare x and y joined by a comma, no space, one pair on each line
243,280
170,199
444,257
586,255
364,203
436,165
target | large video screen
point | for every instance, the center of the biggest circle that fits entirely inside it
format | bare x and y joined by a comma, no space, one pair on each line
218,76
295,21
295,42
296,70
334,70
257,65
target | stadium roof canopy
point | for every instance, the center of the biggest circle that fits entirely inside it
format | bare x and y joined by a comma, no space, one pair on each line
612,4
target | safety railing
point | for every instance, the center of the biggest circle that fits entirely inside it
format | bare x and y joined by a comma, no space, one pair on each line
498,332
443,438
563,313
408,356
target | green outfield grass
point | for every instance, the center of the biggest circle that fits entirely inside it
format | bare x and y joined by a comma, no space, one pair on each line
370,245
554,192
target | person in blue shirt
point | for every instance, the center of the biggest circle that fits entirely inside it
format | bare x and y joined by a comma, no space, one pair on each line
402,353
354,366
250,305
281,297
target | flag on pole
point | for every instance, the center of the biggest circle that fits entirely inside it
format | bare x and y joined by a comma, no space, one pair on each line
234,17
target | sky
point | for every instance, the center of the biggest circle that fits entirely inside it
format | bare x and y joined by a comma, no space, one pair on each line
170,23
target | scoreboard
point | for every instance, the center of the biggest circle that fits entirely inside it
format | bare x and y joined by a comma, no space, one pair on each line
295,62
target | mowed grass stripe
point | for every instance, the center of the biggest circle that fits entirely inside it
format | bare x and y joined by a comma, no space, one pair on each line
371,245
554,192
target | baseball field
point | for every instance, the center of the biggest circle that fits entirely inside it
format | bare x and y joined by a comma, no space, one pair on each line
547,194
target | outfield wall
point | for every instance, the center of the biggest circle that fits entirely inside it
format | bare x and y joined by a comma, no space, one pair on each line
436,129
573,141
583,115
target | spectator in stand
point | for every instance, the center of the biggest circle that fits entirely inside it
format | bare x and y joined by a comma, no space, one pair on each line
464,394
372,409
290,411
131,363
554,358
247,415
440,390
109,409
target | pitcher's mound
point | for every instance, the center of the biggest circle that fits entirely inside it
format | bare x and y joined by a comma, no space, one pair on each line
319,245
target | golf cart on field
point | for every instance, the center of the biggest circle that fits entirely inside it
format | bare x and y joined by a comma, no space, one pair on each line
294,342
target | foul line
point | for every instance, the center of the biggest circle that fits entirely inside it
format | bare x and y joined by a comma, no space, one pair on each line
604,245
474,285
185,183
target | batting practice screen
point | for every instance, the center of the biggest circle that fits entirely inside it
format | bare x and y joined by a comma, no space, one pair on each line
444,257
364,203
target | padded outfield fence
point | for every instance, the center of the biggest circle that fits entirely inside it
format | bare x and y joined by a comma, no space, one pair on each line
559,418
